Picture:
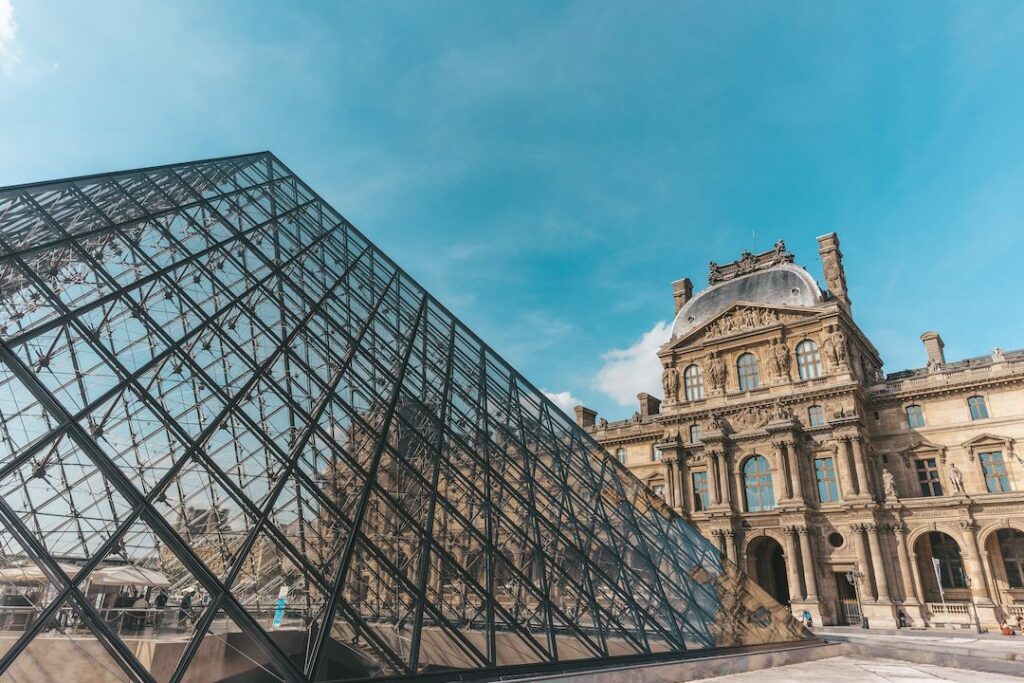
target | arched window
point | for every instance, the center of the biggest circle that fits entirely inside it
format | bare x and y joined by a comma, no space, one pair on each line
947,552
746,370
808,360
757,483
1011,547
693,382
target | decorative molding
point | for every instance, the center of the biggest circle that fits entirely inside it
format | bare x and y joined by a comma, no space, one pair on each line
749,263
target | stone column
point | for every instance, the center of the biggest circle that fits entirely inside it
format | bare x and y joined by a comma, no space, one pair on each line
915,573
863,486
723,458
779,484
909,594
979,587
863,563
712,458
878,564
682,474
846,484
671,481
719,540
986,566
793,454
810,577
730,545
792,565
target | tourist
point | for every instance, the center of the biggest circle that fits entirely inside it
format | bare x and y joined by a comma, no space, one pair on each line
1005,629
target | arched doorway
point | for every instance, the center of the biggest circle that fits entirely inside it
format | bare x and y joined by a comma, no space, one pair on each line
767,565
1005,549
941,564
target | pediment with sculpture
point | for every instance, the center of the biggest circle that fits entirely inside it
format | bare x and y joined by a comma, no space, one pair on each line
743,317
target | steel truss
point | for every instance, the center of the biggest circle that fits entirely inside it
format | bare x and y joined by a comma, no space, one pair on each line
207,372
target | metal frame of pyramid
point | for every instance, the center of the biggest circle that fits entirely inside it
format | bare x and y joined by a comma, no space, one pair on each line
208,374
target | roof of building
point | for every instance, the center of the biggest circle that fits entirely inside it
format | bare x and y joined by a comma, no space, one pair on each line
966,363
783,284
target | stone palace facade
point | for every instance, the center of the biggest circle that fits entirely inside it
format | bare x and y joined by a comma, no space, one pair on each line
842,490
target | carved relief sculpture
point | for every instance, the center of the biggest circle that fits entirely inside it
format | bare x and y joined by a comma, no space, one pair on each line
835,346
740,320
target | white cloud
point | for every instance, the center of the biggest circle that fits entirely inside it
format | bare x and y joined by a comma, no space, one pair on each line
8,29
627,372
563,399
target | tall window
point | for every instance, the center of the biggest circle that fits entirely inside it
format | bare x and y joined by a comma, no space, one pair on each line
746,367
693,382
757,483
656,454
815,416
659,490
951,567
915,416
979,411
808,360
621,455
700,491
695,433
994,469
825,473
1011,547
928,477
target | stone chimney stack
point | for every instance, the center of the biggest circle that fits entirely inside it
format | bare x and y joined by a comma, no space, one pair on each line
585,417
933,345
682,291
649,405
832,267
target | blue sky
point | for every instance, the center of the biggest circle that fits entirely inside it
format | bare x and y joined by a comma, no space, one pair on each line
547,169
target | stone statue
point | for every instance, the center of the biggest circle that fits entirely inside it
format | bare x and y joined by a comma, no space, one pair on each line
716,370
717,422
666,382
779,253
956,478
636,417
603,423
835,346
674,384
779,356
889,485
833,274
780,411
998,355
714,273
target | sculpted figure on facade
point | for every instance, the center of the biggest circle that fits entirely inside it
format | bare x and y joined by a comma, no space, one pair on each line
670,383
780,412
833,273
835,346
714,273
956,478
889,485
716,370
780,359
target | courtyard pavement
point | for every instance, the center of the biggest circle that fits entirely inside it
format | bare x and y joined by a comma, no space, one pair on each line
860,669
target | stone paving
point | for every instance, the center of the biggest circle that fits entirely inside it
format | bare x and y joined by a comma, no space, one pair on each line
860,669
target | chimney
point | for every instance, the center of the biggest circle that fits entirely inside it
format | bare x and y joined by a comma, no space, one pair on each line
682,291
585,417
933,345
832,267
649,405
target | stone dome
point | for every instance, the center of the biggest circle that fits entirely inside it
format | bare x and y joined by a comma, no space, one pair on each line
781,285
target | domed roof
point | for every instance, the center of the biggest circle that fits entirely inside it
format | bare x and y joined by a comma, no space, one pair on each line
781,285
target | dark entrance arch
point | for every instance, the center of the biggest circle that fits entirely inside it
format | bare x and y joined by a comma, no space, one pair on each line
767,565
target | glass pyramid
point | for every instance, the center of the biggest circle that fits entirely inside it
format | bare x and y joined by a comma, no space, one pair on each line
240,443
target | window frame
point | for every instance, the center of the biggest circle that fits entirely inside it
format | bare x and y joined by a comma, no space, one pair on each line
951,564
931,485
808,360
758,489
620,454
914,408
972,403
748,371
813,410
700,486
1002,478
693,383
1015,543
695,429
656,454
826,478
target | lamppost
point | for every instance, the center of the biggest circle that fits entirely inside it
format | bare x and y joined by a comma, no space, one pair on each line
974,607
854,578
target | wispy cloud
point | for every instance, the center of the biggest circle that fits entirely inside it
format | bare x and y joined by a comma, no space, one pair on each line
627,372
8,31
563,399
